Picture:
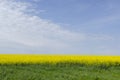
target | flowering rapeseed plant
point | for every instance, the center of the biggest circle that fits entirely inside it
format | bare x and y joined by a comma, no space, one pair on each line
25,58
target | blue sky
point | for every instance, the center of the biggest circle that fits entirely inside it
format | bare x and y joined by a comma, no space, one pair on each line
88,27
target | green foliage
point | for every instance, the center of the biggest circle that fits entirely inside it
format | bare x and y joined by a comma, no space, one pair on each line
60,71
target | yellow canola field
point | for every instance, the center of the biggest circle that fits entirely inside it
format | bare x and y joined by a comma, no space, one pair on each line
29,58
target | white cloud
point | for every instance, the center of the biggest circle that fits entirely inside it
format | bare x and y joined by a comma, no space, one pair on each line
19,27
24,33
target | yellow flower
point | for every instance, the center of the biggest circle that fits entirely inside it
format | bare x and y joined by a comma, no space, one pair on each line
30,58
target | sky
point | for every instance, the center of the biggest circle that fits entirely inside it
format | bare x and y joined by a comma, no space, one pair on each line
85,27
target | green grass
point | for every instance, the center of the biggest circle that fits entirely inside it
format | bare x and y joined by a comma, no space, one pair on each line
58,72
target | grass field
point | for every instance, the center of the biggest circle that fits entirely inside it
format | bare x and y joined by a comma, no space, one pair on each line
58,72
44,67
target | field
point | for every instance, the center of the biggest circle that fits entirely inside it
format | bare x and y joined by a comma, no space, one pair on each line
59,67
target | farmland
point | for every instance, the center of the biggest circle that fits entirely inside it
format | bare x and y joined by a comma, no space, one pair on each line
59,67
